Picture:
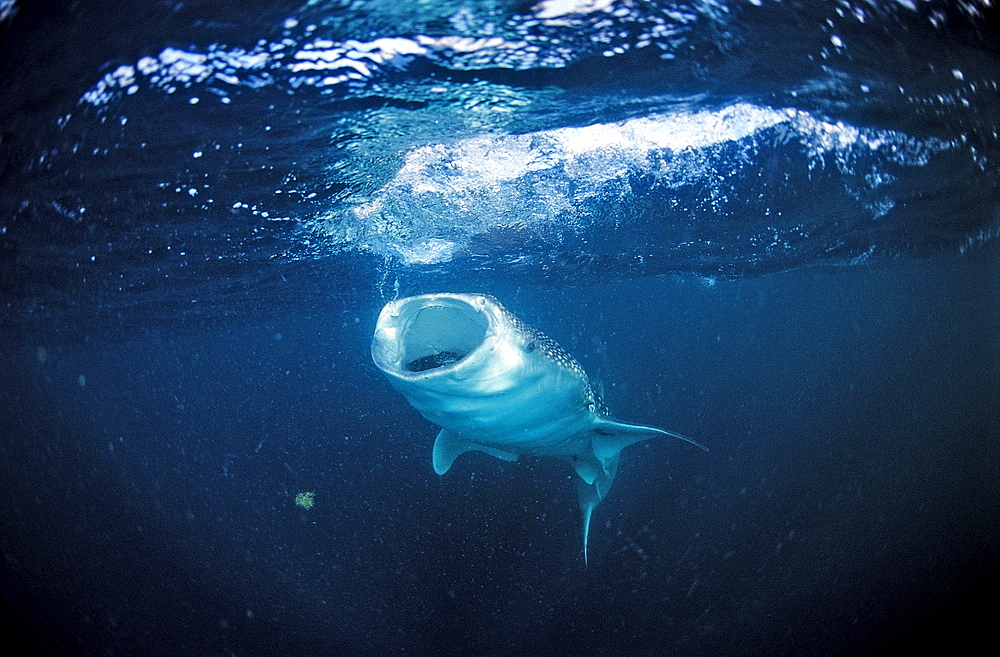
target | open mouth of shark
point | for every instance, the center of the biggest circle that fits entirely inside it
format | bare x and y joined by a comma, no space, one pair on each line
436,333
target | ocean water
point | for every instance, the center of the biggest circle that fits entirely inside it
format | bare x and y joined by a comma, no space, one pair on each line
766,225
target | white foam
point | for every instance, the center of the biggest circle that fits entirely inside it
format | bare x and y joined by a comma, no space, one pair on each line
447,194
548,9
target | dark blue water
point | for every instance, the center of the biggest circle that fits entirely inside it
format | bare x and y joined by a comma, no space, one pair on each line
769,226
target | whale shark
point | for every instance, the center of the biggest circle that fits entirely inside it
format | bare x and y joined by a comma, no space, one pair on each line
496,385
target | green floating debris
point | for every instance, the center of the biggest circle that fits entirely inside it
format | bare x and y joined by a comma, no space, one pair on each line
306,499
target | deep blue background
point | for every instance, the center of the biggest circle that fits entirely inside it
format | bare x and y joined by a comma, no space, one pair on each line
847,506
174,370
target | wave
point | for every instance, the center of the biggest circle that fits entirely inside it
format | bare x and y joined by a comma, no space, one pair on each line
565,138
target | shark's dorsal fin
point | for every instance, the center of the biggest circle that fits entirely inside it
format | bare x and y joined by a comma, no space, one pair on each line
612,436
449,445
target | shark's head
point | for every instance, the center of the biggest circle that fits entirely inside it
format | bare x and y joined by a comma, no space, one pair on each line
434,336
470,366
446,351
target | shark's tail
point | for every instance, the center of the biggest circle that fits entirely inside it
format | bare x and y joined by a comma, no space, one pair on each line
591,494
598,467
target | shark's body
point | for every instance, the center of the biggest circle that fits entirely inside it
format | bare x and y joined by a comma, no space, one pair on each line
495,385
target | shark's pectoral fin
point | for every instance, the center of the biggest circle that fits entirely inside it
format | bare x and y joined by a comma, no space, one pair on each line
611,436
450,445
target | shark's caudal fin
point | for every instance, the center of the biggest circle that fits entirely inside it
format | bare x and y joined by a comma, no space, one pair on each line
450,445
597,469
591,494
